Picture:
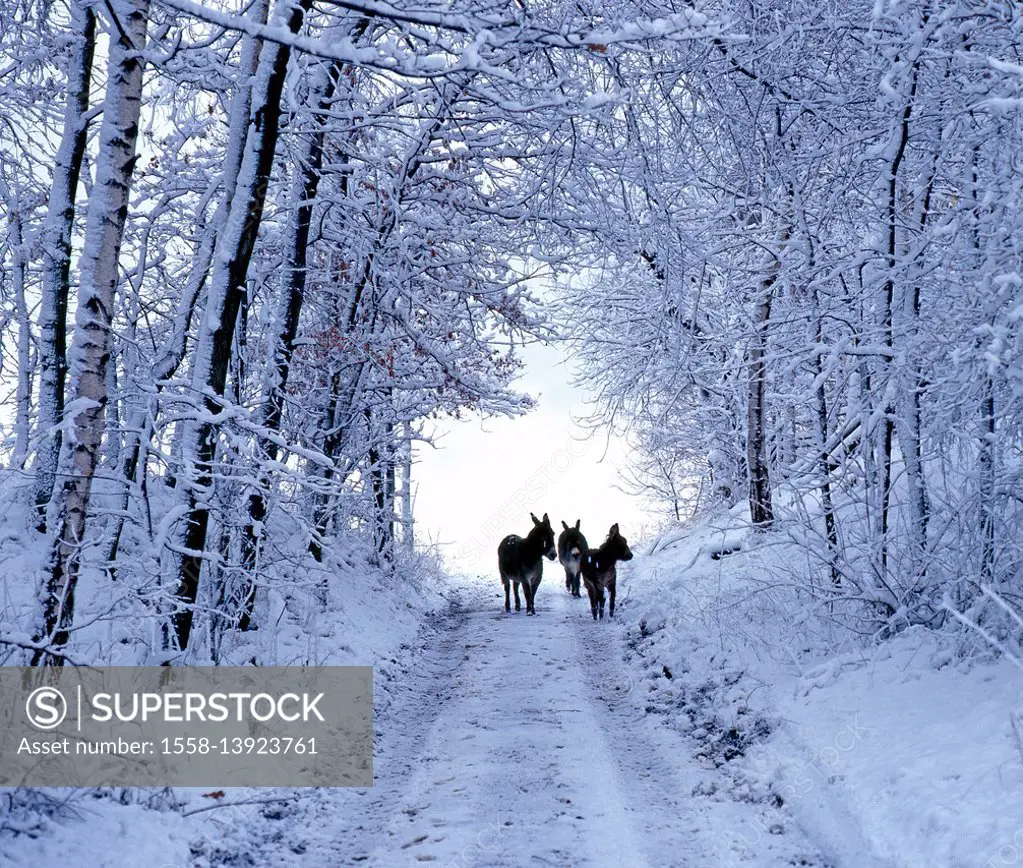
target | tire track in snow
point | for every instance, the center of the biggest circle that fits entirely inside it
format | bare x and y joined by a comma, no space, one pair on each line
520,741
521,765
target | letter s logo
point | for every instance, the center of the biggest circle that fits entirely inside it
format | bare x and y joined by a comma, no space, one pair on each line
46,708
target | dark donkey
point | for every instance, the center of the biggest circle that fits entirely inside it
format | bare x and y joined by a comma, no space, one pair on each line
599,572
571,545
521,561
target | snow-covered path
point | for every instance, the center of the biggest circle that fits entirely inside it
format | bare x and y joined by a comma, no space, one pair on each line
528,761
503,740
521,741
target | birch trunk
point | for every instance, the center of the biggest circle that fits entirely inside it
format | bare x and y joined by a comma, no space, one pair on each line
90,355
172,353
760,505
56,241
23,396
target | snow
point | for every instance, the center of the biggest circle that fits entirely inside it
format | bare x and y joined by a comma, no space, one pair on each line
780,241
115,834
709,724
886,755
922,760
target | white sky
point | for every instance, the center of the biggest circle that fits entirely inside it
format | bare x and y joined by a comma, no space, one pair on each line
485,477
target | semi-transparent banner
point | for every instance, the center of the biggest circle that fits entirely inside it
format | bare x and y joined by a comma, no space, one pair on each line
211,726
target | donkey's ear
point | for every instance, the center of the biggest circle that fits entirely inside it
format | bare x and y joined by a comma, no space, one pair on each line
565,526
577,522
535,519
614,529
546,520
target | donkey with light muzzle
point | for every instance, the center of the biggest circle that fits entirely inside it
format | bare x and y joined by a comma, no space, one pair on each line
571,546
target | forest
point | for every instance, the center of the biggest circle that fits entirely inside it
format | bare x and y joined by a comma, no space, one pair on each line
253,252
250,250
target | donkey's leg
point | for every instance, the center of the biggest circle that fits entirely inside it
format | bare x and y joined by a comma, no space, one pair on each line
611,590
507,601
533,586
575,586
568,579
517,605
592,592
600,602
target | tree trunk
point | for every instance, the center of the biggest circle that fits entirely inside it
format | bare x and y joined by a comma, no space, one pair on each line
304,186
224,300
56,244
108,211
408,538
23,393
826,465
342,407
757,459
911,430
172,353
887,441
986,456
986,461
381,475
760,505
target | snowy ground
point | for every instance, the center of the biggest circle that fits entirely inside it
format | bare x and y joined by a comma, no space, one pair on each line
673,736
521,744
888,754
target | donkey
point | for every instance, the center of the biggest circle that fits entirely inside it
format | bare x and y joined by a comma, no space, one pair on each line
599,572
571,545
521,561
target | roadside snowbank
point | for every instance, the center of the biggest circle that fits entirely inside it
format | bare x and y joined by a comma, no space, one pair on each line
887,753
344,611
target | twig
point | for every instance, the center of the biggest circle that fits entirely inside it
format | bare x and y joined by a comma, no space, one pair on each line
993,595
947,605
216,805
42,649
